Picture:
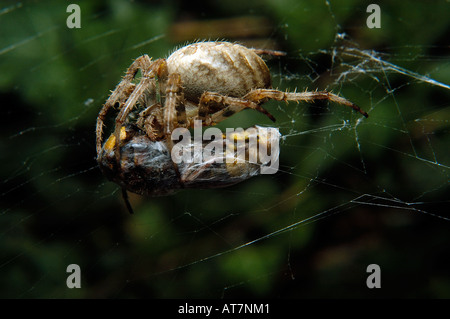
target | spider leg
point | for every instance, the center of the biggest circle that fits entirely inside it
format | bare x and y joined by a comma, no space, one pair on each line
259,95
214,108
174,110
148,120
157,68
120,94
268,52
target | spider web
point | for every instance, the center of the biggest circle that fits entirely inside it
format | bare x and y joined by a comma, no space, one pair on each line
350,191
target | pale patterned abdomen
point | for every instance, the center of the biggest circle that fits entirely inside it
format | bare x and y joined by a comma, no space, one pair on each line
225,68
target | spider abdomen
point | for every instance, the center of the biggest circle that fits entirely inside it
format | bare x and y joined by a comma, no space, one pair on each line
222,67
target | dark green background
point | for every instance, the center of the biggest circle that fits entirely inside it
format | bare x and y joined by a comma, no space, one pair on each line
383,200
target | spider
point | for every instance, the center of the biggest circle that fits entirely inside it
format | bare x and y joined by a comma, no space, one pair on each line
209,81
206,81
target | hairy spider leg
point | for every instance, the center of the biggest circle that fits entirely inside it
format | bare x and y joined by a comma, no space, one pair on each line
174,109
259,95
157,68
148,120
214,107
120,94
268,52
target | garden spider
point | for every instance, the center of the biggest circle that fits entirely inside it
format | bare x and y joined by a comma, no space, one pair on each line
209,81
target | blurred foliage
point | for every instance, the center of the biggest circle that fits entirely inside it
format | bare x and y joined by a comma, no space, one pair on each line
57,208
